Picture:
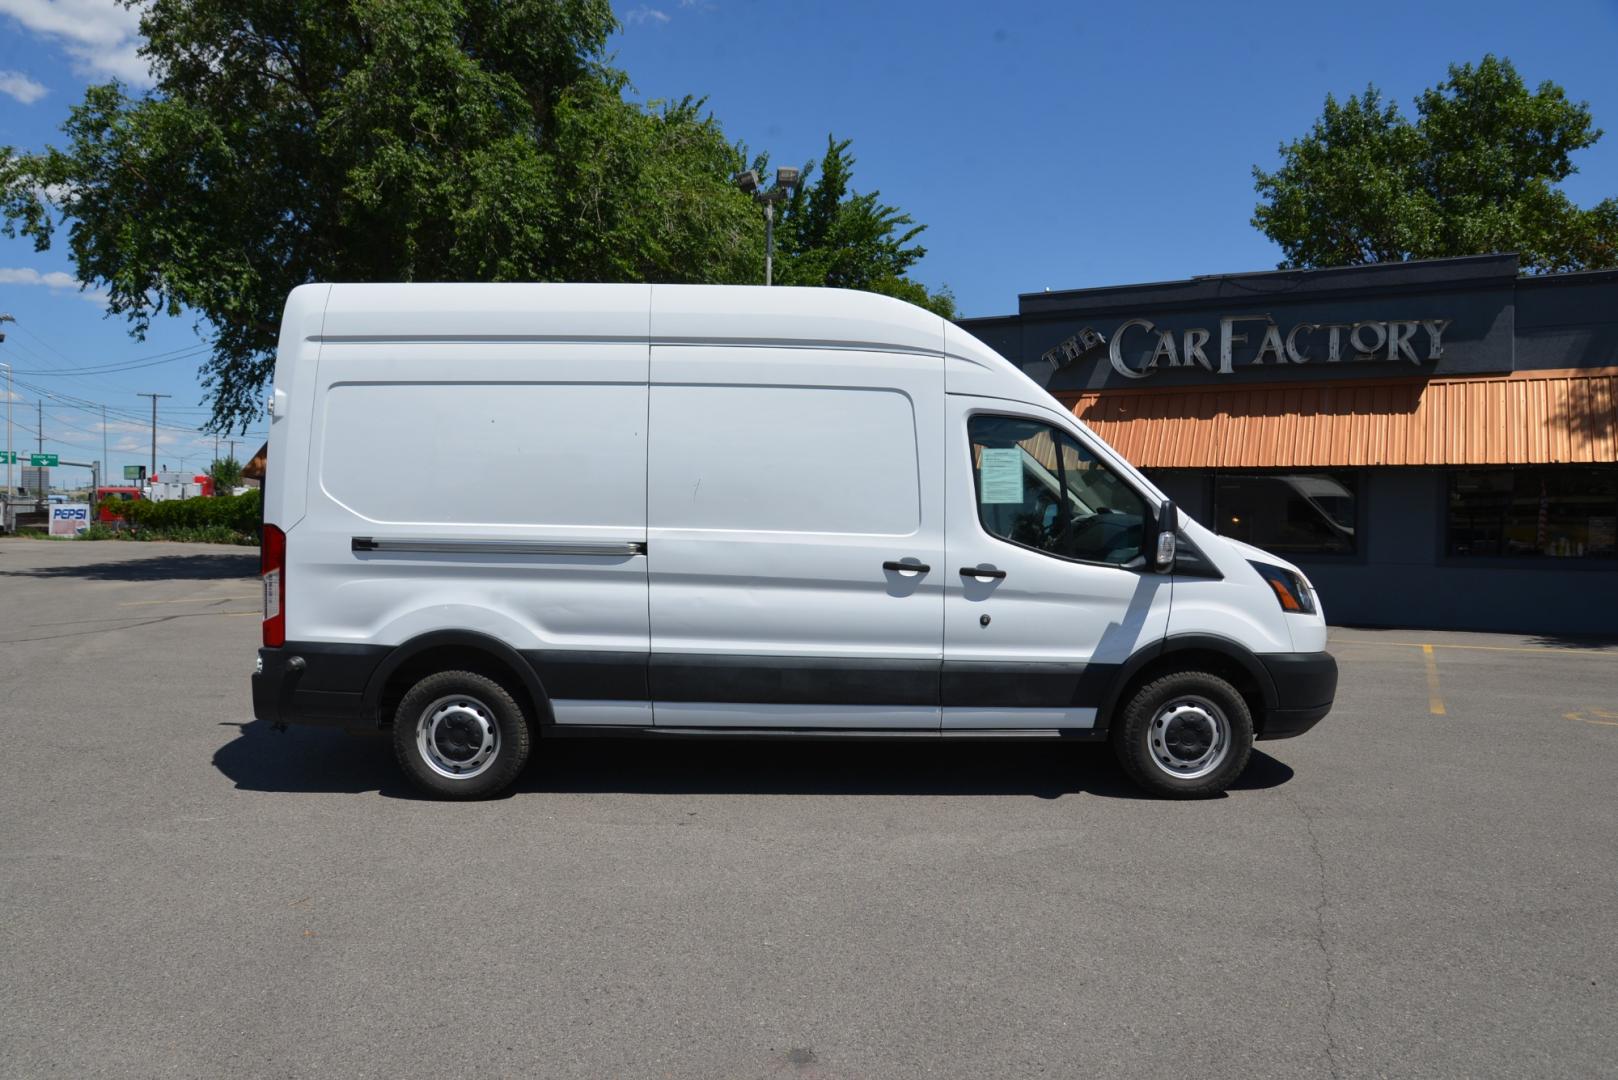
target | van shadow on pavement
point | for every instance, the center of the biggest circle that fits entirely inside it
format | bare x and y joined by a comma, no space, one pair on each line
307,760
1574,641
160,568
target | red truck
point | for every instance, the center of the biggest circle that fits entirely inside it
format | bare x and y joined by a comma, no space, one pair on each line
107,495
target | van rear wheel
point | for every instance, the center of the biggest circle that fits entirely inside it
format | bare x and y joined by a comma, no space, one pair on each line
1186,735
460,735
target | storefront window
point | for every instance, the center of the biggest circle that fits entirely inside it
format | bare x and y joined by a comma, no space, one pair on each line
1288,512
1567,513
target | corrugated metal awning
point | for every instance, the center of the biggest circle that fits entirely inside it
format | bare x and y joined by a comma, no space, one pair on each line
1527,417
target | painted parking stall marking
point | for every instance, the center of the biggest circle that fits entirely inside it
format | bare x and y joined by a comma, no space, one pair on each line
1435,696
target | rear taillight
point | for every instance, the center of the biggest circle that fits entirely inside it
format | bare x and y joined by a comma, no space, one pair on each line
272,562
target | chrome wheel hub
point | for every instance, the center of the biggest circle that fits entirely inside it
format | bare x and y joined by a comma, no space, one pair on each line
457,737
1190,737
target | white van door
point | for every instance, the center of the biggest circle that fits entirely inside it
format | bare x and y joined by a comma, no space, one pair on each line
1048,591
795,537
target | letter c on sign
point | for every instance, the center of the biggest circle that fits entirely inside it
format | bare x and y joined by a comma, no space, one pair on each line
1115,349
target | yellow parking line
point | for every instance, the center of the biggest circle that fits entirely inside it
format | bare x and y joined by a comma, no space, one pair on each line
1435,700
1611,721
1600,652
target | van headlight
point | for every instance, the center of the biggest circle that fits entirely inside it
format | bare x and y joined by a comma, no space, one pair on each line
1292,592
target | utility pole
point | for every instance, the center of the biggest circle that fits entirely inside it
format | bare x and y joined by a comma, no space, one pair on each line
10,457
39,471
105,460
154,398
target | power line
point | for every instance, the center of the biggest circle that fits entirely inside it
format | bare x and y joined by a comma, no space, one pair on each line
71,401
58,442
169,353
110,369
127,416
94,375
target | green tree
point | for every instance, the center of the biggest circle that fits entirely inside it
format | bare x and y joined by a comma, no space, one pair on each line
1475,172
373,140
402,140
226,474
829,235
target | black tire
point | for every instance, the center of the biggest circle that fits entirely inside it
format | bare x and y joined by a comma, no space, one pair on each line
1160,730
481,730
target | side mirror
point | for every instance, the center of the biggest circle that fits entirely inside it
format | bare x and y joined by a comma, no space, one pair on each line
1168,520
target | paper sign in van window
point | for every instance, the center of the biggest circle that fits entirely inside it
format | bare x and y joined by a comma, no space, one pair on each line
1000,475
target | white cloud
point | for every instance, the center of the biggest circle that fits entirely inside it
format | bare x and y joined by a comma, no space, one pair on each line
23,275
55,280
101,36
16,84
642,14
142,444
126,427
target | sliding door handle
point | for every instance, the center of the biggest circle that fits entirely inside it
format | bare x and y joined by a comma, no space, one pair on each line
913,567
981,572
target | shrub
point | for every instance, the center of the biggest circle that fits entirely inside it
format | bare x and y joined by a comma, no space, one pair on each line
225,519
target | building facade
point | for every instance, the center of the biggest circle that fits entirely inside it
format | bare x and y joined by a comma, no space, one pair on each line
1435,443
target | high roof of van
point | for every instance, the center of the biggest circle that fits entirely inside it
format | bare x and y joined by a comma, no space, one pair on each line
674,314
729,314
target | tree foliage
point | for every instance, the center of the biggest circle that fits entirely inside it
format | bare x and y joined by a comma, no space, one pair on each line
289,141
1475,172
226,474
830,235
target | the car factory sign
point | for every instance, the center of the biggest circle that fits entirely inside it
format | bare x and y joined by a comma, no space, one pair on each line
1137,348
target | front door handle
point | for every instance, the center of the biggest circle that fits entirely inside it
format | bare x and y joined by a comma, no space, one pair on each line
913,567
981,572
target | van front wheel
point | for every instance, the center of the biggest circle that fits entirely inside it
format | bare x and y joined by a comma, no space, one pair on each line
1186,735
460,735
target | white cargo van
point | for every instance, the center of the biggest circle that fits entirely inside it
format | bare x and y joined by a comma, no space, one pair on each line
501,514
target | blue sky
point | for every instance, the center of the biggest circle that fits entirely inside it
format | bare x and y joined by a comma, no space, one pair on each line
1044,145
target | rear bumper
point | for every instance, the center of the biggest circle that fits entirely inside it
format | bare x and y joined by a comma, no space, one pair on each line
1305,686
323,686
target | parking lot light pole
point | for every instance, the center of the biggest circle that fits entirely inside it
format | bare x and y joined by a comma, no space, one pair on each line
785,180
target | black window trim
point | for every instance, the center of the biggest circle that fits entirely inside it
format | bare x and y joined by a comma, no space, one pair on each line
1137,565
1549,563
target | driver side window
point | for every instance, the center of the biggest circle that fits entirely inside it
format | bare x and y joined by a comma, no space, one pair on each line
1039,488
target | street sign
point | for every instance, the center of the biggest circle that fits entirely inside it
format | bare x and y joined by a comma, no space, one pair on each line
8,457
43,461
134,472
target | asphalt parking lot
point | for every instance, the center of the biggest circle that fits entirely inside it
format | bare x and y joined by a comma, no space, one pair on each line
1426,885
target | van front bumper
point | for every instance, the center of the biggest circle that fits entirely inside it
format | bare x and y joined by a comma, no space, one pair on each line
323,685
1305,686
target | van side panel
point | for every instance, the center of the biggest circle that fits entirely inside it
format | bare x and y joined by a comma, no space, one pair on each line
782,482
491,484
